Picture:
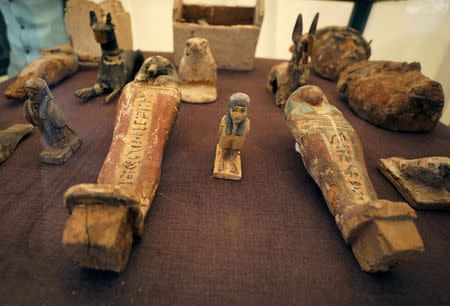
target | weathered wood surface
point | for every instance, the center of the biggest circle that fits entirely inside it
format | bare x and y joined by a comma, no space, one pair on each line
232,32
393,95
421,182
103,216
42,111
286,77
197,72
53,66
233,130
381,233
10,138
336,48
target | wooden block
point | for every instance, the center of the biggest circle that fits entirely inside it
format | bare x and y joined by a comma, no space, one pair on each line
420,188
227,164
99,237
384,244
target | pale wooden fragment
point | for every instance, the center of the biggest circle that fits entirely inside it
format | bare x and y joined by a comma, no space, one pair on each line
10,137
420,181
381,232
104,216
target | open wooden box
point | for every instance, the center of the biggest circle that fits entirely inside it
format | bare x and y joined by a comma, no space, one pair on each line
232,32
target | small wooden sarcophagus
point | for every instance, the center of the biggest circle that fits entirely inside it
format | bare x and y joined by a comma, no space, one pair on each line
232,32
104,216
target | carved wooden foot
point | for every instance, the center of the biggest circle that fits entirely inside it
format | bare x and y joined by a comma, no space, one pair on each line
382,234
99,232
227,164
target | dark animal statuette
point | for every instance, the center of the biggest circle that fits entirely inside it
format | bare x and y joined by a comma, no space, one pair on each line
286,77
42,111
117,67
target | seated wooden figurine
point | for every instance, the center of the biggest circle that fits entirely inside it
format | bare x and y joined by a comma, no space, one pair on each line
233,131
382,233
197,72
42,111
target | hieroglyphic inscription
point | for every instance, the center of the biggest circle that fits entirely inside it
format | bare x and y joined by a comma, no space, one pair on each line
339,138
131,158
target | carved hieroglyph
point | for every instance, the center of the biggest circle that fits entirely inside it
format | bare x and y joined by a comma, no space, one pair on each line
286,77
382,233
420,181
197,72
42,111
233,131
10,137
54,65
105,216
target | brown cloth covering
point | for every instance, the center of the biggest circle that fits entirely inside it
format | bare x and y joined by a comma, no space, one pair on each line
268,239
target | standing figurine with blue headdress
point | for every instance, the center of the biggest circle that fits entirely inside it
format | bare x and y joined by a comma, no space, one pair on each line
233,131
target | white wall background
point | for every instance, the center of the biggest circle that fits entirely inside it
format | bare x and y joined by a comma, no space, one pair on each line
414,30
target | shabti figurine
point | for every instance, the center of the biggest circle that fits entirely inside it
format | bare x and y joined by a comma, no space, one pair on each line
233,131
10,137
53,66
104,216
393,95
336,48
420,181
197,72
382,233
42,111
117,66
286,77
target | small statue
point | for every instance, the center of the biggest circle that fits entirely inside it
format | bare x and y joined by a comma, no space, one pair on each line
105,216
382,233
117,66
420,181
42,111
10,137
53,66
233,131
286,77
197,72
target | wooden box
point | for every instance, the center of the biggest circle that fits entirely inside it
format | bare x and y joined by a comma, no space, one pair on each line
232,32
